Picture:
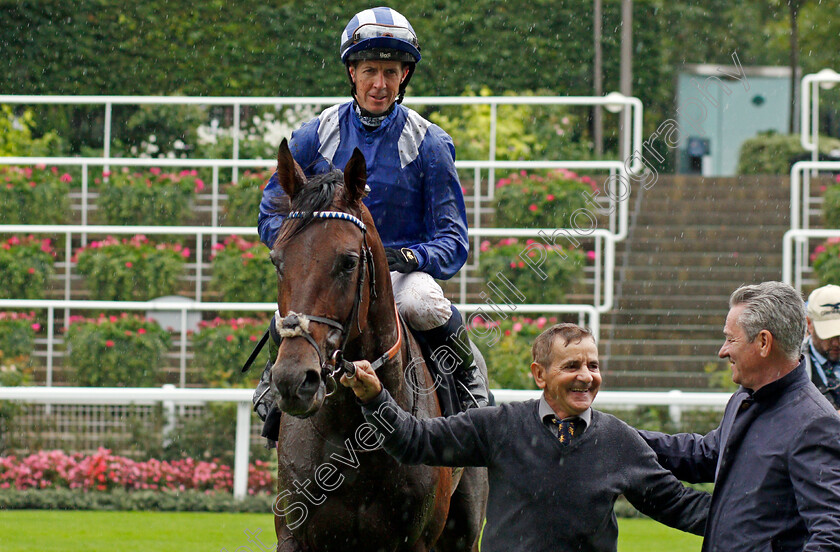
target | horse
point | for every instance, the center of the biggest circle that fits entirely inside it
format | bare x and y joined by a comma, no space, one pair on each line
338,490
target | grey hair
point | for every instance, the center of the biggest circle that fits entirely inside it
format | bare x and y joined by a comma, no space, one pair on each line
775,307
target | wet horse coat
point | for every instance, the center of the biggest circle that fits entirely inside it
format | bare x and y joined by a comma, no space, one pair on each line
337,489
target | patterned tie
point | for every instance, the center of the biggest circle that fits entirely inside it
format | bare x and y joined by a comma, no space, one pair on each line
566,429
832,382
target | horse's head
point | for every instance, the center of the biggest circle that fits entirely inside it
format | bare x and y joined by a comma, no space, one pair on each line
324,272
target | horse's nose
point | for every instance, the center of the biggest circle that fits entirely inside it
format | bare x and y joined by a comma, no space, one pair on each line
295,384
309,385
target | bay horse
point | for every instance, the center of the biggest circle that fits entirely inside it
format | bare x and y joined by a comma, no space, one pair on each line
338,491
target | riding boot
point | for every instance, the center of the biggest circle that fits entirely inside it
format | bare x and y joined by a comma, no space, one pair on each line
452,338
264,398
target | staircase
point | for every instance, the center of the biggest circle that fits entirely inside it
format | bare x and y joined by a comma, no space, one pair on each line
692,241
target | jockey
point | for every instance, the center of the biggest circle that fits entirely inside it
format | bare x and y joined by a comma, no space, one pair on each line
415,196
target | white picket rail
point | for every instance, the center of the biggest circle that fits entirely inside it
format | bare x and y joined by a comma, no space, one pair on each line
121,395
795,246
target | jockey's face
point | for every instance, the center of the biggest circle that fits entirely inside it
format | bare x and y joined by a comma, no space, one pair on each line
377,83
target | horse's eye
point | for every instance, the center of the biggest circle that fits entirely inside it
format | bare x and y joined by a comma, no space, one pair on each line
276,259
348,263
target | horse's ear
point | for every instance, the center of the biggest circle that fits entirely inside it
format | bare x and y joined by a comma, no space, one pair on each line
355,177
289,173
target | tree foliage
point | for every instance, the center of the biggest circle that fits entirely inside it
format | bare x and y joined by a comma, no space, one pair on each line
290,48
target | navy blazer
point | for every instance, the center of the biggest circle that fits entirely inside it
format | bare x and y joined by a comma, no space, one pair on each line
775,462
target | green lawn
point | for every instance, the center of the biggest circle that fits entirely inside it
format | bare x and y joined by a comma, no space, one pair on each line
45,531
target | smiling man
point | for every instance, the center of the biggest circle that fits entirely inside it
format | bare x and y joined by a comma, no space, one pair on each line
556,466
775,457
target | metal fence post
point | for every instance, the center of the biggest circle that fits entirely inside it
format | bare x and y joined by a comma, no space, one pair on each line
169,417
675,410
243,449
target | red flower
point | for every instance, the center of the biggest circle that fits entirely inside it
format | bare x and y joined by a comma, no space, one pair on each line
141,331
31,270
229,337
109,343
128,264
532,207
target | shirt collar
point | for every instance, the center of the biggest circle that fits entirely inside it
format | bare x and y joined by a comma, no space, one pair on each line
370,121
775,388
821,360
547,412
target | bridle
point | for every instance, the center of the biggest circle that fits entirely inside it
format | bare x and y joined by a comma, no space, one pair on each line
297,324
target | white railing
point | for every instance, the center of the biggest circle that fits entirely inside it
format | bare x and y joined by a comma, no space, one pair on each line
617,204
809,127
800,211
630,108
676,400
794,242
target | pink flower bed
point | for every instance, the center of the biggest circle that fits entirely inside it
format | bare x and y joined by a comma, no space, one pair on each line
104,471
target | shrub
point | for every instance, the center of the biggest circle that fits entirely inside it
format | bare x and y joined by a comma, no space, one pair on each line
17,340
154,197
244,197
130,270
161,130
532,201
523,132
242,271
259,136
221,347
113,351
826,262
26,265
831,206
34,195
509,359
773,153
16,136
562,268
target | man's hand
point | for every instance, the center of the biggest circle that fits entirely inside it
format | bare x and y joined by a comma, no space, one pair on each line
402,260
364,383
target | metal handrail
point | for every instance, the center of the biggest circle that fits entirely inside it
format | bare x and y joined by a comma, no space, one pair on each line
631,106
791,264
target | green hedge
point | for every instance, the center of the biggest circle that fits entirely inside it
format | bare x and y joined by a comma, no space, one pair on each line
26,265
133,269
116,351
773,153
221,347
34,195
185,501
242,271
153,197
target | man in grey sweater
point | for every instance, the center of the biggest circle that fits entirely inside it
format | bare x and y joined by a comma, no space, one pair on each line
556,466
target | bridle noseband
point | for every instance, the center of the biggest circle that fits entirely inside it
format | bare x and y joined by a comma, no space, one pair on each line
297,324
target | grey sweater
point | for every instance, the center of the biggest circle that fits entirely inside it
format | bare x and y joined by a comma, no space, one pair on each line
543,495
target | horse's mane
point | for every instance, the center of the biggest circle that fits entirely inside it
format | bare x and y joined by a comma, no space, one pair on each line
316,195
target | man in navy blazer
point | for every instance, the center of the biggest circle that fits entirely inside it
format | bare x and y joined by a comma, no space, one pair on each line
775,457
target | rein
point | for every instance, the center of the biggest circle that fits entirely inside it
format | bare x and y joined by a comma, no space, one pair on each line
297,324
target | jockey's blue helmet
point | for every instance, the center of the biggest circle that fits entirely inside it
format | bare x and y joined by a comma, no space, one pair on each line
379,34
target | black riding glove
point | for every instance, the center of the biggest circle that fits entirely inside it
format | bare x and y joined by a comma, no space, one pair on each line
402,260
